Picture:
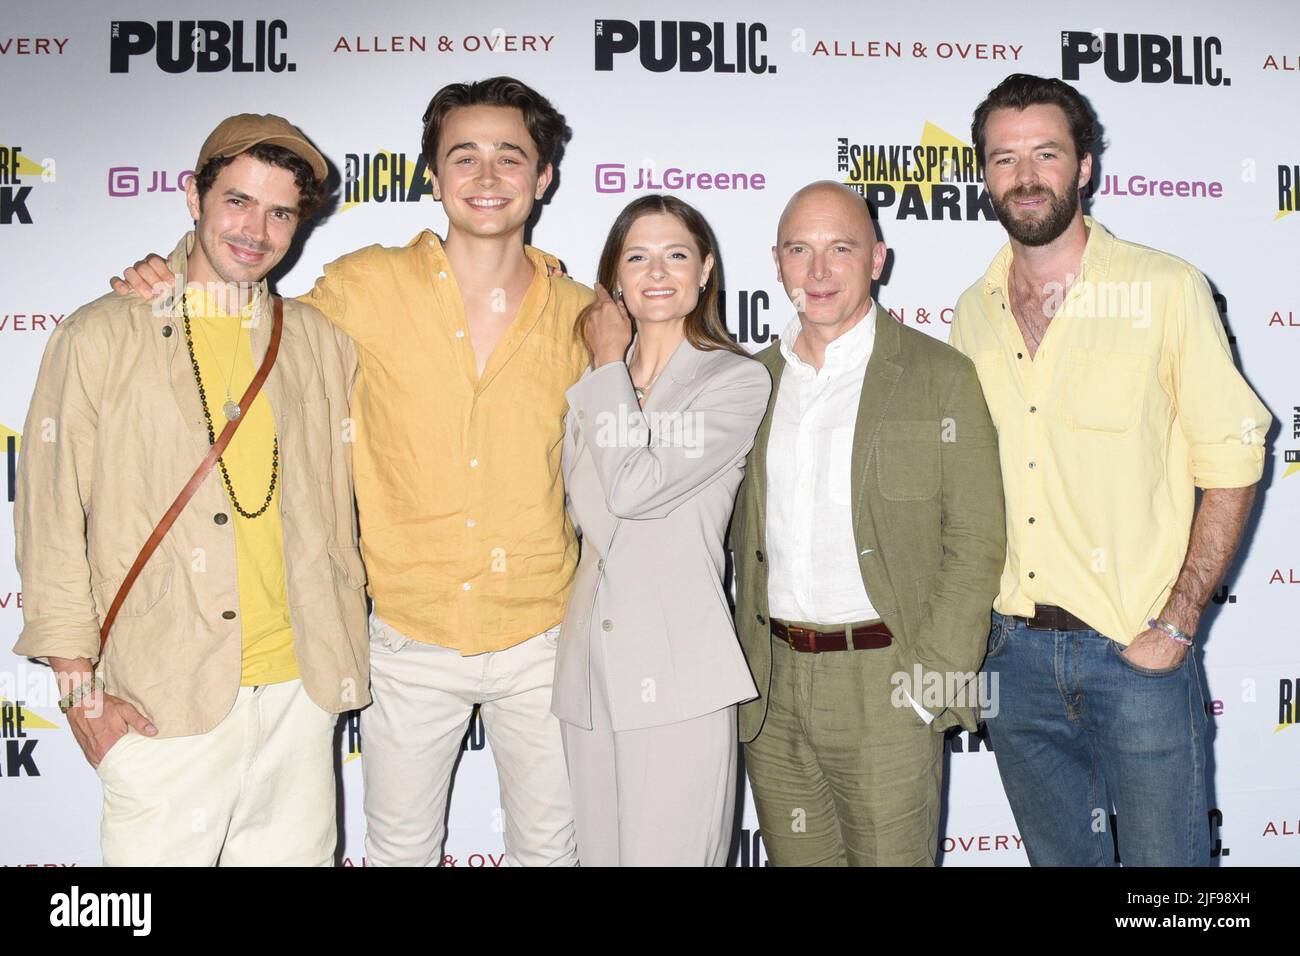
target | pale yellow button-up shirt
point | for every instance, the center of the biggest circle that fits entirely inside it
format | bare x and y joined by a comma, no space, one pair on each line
463,527
1131,402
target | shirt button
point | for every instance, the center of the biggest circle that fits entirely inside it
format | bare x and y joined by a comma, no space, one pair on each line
167,331
465,586
460,333
1031,519
469,523
1031,574
607,625
228,615
758,554
1033,464
1032,409
442,275
473,462
761,619
220,518
1019,355
600,565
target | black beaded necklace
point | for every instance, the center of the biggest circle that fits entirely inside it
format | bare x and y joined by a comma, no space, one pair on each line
212,435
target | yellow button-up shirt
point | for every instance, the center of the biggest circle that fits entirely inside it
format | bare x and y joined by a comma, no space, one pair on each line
1131,402
463,527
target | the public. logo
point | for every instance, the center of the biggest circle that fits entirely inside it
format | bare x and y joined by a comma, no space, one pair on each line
1144,57
384,176
750,323
687,46
937,178
205,46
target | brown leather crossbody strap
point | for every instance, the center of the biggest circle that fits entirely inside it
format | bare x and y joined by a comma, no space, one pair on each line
215,452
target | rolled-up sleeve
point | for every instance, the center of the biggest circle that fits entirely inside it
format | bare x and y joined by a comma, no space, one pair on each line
55,467
1222,419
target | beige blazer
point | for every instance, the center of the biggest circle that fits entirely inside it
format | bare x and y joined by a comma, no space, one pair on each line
655,491
114,430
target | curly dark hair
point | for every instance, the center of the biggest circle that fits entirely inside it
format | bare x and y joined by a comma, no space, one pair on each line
1020,90
312,192
546,125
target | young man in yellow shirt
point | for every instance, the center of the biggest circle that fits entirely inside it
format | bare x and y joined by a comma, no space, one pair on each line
1107,372
210,716
467,349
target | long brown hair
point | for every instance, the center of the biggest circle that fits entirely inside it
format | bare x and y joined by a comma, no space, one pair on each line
703,327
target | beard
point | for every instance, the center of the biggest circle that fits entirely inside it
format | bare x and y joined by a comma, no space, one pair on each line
1035,230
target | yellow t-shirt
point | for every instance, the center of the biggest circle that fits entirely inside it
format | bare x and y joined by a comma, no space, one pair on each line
220,342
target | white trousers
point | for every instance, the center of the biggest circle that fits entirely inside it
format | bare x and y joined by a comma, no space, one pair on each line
256,790
423,698
654,796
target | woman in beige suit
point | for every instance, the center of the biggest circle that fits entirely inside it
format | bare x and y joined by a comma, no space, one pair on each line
649,672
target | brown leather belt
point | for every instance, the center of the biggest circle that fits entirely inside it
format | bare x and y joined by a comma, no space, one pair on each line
1049,617
865,637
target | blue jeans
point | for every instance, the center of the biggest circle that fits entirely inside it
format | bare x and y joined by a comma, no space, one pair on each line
1076,727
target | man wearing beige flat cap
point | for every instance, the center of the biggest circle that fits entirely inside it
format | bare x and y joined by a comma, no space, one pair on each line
186,534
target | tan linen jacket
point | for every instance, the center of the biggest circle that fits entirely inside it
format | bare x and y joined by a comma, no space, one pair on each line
114,431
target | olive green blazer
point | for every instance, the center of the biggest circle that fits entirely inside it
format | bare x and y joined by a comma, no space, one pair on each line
927,517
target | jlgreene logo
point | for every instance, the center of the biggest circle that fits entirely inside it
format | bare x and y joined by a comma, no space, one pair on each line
687,46
613,178
1145,57
205,46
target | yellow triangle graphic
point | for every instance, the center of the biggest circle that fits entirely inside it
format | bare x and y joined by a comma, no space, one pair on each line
5,433
931,135
32,721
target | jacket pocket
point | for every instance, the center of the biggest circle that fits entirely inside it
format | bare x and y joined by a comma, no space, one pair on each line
348,566
150,587
907,460
1102,391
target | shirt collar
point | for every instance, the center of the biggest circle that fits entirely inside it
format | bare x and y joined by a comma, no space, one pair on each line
431,243
848,351
1096,258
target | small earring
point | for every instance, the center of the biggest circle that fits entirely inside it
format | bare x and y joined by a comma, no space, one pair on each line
619,293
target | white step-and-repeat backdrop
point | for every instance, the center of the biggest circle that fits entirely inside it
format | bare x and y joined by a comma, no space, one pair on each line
106,104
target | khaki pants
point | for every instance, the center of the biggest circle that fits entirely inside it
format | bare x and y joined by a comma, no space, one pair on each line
840,776
256,790
423,698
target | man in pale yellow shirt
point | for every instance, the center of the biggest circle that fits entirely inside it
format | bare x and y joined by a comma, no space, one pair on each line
1107,372
466,348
